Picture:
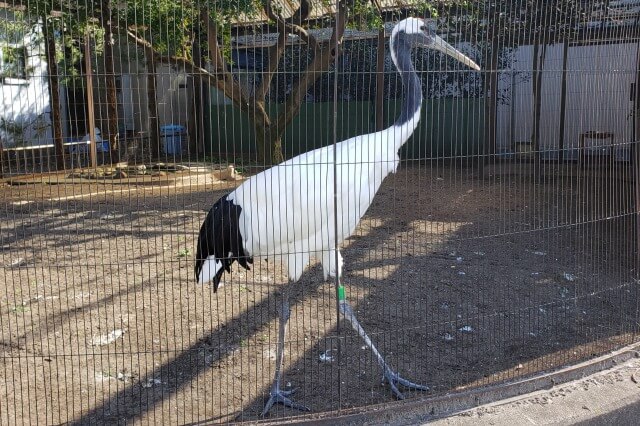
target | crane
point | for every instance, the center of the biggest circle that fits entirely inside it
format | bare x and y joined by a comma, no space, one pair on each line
288,212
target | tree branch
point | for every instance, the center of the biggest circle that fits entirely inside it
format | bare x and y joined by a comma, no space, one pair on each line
285,26
223,81
322,59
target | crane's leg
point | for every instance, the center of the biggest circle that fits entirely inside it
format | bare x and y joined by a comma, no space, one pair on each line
277,395
389,375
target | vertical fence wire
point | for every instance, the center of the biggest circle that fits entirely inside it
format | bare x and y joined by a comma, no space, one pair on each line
504,245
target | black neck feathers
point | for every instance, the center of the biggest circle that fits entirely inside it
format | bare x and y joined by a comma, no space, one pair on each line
412,85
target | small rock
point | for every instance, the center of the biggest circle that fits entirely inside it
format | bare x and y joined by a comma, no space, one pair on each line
447,337
569,277
466,329
326,356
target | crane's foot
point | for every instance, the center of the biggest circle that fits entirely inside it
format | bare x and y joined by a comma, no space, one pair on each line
394,380
277,396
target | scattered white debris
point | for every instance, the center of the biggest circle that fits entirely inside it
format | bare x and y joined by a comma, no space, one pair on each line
38,298
107,375
124,377
466,329
32,300
532,334
326,356
101,376
107,216
479,253
150,383
106,339
535,273
569,277
519,367
462,273
540,253
269,354
17,262
363,347
542,310
447,337
459,259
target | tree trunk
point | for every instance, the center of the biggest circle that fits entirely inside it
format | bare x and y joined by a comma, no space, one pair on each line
269,146
54,93
491,94
110,79
152,105
200,99
273,145
268,140
539,53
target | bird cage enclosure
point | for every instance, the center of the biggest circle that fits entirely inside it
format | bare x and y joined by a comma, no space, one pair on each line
220,212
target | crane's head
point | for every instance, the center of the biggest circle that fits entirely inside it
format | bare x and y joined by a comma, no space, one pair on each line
419,33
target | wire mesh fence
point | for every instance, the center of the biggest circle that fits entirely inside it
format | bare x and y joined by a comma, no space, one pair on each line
484,221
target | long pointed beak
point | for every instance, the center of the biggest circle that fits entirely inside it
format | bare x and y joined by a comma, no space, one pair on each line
444,47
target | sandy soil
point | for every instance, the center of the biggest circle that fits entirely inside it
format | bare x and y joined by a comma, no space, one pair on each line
462,279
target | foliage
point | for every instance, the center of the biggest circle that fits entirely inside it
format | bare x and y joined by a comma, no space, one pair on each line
13,29
365,16
14,62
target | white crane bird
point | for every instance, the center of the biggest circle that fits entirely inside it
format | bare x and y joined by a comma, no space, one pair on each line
287,211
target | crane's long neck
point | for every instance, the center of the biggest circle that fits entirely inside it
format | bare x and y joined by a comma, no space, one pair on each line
412,103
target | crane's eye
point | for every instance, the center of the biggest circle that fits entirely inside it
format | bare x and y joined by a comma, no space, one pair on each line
422,28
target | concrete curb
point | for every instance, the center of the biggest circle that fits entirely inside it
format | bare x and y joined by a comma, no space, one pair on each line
520,402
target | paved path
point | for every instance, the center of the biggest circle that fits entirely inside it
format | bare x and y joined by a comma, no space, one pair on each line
610,397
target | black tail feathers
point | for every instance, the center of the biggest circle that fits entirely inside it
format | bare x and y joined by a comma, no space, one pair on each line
220,237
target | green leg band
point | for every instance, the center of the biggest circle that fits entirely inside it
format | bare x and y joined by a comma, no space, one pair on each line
341,292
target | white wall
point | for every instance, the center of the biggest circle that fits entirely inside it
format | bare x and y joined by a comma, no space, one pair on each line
173,96
26,102
599,81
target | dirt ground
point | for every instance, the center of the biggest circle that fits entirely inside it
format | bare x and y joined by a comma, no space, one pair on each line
462,278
